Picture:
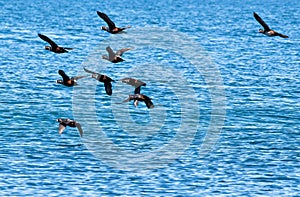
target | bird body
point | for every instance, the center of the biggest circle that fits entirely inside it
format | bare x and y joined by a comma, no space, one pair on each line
53,46
63,123
102,78
267,31
111,25
114,57
67,81
140,97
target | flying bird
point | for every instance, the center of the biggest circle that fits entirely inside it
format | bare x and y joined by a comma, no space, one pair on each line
67,81
111,25
140,97
63,123
53,46
267,31
114,57
104,79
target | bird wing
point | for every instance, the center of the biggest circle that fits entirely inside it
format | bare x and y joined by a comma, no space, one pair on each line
79,129
134,82
68,48
61,128
64,76
121,51
108,88
127,100
88,71
51,42
109,22
260,20
111,54
282,35
78,77
137,90
148,102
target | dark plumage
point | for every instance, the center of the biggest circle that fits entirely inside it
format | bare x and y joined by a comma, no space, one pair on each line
67,81
111,25
104,79
134,82
53,46
140,97
63,123
114,57
267,31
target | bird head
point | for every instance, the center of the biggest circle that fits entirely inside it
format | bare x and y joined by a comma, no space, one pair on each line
105,57
48,48
104,28
94,76
261,31
59,81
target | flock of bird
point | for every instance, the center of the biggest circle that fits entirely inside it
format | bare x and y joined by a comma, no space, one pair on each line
115,57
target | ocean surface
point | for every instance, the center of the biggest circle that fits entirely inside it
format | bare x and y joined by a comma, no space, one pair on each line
226,120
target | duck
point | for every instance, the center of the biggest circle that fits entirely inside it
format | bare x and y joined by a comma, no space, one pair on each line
140,97
267,31
104,79
63,123
67,81
114,57
111,25
53,46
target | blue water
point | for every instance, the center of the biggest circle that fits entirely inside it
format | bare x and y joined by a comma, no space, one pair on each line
256,152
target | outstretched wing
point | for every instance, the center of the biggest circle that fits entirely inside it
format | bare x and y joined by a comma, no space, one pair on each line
127,100
282,35
68,48
109,22
51,42
78,77
88,71
61,128
111,54
64,76
133,82
266,27
121,51
137,90
79,129
108,88
148,102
